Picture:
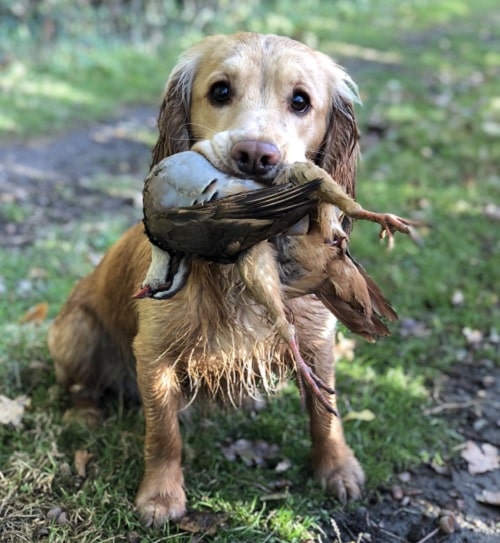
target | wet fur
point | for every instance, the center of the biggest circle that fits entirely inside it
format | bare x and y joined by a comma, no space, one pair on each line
212,338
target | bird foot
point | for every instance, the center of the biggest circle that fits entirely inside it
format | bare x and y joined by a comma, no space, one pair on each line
390,224
307,377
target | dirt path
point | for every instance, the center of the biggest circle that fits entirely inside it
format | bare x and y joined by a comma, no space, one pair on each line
469,396
30,173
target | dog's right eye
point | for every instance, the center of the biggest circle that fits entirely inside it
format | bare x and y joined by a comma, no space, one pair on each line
300,102
220,93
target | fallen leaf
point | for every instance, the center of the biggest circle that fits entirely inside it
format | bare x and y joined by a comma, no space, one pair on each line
365,415
133,537
206,522
251,453
472,336
404,476
280,484
12,411
397,492
37,273
442,469
82,458
492,211
283,465
62,519
480,459
275,496
54,513
37,313
490,497
458,298
411,327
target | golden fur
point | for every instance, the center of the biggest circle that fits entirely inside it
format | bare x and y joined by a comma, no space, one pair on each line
212,337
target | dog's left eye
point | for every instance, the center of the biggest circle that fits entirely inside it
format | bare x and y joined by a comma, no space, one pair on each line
300,102
220,93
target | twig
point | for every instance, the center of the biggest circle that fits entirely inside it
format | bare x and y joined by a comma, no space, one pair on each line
449,406
390,534
336,530
428,536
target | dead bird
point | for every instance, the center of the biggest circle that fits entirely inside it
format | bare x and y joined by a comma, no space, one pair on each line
192,210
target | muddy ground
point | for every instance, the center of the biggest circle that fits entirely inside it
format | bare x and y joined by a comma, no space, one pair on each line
468,396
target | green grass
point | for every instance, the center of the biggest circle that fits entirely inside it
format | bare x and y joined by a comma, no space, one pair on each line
438,108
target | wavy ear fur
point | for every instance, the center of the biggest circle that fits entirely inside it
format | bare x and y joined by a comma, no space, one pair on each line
339,152
173,119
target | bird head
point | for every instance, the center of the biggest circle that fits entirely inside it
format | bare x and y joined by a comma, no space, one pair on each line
167,274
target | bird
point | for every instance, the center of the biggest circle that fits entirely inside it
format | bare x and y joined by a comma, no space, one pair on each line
191,211
320,263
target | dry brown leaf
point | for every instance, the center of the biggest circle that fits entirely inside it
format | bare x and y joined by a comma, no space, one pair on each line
490,497
480,459
472,335
82,458
12,411
37,313
198,521
251,453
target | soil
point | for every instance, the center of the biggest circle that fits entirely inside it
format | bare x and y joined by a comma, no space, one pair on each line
468,396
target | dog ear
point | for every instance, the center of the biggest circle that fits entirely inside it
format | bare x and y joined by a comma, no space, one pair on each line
339,151
173,118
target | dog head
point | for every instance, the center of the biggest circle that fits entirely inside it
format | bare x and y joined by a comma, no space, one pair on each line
253,102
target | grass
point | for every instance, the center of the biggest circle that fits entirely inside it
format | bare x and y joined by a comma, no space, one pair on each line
427,75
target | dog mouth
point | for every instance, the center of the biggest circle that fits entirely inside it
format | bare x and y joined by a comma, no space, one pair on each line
244,161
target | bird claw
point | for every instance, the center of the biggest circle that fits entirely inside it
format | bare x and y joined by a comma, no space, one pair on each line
306,376
316,386
390,224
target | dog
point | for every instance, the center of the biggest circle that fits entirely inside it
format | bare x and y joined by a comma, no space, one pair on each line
253,102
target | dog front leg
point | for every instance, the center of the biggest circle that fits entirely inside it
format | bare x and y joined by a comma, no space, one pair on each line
161,495
334,464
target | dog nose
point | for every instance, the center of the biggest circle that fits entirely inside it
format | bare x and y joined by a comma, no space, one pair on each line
255,157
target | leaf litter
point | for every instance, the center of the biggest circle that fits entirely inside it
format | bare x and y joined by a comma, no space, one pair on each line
257,453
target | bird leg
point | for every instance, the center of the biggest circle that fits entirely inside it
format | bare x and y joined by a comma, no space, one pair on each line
389,224
259,273
330,192
305,375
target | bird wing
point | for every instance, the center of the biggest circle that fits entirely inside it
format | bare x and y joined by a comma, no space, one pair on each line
222,228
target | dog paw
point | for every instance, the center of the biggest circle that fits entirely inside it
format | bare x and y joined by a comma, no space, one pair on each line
158,502
342,477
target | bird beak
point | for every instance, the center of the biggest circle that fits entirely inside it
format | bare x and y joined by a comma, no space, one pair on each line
144,292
